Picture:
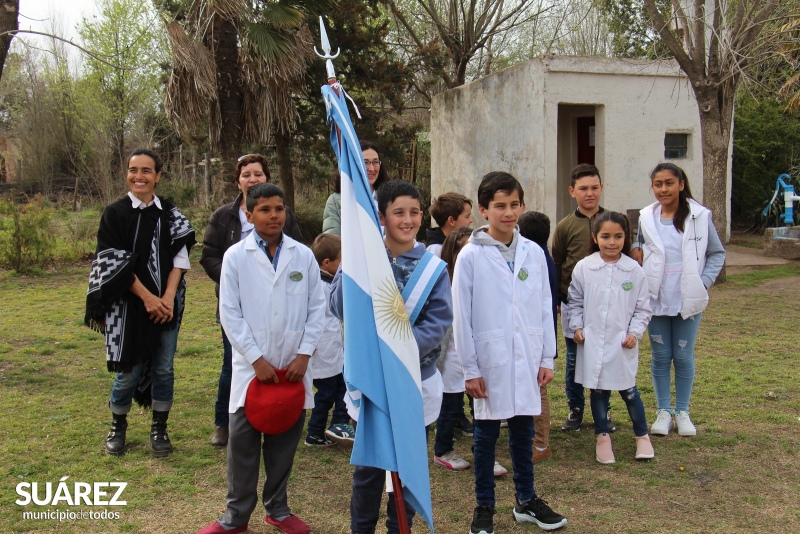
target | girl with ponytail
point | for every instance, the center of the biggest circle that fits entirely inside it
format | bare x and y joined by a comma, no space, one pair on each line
682,255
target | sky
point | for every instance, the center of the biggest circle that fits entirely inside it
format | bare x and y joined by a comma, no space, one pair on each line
41,15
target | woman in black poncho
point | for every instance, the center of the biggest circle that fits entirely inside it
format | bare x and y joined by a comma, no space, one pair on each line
136,297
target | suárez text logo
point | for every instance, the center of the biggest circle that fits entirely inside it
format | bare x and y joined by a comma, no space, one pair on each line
77,494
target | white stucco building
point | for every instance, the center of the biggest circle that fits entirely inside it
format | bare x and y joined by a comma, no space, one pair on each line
540,118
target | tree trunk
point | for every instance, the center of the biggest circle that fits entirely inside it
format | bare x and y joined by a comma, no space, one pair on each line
9,12
225,47
283,146
118,164
716,119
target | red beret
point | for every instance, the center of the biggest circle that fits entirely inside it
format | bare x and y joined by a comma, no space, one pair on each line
274,408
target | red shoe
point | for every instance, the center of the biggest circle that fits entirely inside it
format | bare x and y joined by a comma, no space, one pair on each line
216,528
290,525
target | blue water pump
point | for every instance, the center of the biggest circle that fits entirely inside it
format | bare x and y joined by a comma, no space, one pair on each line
788,197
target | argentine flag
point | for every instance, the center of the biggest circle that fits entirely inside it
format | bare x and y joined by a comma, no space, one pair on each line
381,357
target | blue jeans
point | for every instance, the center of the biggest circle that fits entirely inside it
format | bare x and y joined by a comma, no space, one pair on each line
451,412
162,374
672,340
575,397
330,393
224,386
520,438
599,398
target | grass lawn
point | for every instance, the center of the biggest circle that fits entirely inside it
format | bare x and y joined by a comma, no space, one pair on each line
741,472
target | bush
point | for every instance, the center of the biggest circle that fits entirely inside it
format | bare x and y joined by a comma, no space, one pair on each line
308,207
26,241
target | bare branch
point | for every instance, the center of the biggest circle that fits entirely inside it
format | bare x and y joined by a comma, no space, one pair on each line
672,43
69,42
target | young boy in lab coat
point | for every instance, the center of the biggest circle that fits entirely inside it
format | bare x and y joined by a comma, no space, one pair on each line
505,339
272,308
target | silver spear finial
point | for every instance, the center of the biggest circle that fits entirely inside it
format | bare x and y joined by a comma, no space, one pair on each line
326,47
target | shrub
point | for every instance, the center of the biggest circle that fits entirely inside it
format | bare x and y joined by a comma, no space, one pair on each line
25,236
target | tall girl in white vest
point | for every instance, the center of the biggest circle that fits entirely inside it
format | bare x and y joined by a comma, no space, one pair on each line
682,255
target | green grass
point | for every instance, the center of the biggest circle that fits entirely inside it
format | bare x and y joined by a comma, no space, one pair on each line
739,474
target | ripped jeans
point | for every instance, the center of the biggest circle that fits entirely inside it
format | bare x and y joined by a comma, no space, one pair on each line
598,400
672,340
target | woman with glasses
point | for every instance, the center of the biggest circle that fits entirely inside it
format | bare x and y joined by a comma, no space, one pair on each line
228,225
377,176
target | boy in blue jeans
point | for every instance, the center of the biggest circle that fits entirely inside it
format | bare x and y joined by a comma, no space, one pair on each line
505,339
570,245
328,361
401,216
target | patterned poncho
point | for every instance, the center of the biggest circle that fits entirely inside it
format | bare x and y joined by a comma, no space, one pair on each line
141,242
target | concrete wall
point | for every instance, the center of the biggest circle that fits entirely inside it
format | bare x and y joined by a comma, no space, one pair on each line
510,121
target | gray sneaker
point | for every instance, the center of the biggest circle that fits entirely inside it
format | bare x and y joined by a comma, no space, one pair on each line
574,420
611,426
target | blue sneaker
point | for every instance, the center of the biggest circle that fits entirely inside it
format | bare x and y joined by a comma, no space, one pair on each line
318,441
341,432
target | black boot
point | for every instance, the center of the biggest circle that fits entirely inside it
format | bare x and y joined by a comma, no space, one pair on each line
115,442
159,440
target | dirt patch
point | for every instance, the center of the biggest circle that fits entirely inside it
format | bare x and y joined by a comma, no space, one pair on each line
777,286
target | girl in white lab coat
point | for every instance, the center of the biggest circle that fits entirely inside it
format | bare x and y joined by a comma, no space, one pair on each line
610,308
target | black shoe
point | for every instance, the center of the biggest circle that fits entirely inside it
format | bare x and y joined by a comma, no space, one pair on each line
537,511
611,426
574,420
159,440
464,426
482,520
115,441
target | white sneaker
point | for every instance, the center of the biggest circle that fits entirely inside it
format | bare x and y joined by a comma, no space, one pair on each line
663,423
685,426
499,470
452,460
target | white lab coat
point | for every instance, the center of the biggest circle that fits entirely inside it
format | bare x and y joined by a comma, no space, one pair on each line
607,312
503,326
328,361
276,314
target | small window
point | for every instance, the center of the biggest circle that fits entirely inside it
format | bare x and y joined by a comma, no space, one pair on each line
676,146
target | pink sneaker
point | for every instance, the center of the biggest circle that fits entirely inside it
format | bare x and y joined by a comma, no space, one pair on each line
290,525
216,528
603,452
644,448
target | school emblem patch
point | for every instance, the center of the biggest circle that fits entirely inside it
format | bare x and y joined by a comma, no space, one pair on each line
523,274
295,276
627,285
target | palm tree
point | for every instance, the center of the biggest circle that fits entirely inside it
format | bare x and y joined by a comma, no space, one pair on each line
235,66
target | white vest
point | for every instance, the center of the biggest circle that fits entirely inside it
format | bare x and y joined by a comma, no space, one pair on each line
694,296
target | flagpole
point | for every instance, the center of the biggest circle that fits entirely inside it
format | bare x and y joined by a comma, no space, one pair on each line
400,503
397,485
